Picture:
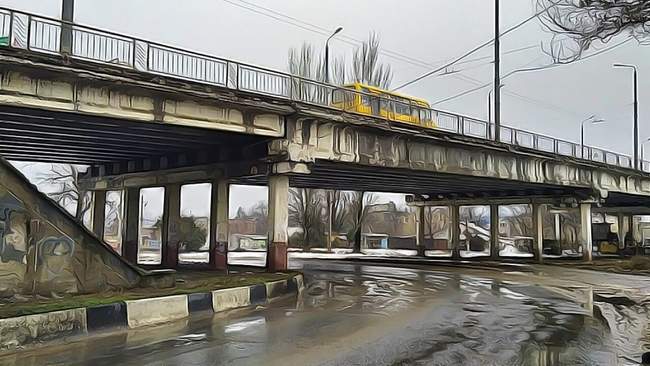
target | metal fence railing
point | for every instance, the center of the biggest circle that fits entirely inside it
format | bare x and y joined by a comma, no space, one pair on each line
40,34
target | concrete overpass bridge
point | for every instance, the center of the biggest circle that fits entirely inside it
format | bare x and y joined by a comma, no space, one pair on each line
144,115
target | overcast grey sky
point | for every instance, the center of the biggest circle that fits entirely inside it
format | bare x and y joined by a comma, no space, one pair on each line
551,101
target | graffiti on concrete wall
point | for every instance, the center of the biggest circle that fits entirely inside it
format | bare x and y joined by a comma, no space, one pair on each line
45,252
13,245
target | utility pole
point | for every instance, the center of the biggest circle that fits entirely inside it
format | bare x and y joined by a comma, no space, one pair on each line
636,113
497,74
67,16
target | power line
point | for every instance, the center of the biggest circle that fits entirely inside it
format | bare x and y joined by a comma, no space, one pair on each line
314,28
538,68
465,55
287,19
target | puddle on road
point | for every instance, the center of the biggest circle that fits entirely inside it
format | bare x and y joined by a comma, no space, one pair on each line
369,315
471,320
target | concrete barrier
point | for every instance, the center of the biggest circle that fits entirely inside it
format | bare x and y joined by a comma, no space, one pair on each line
39,328
156,310
276,288
230,298
34,329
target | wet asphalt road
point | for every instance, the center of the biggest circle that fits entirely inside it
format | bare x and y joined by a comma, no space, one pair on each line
363,314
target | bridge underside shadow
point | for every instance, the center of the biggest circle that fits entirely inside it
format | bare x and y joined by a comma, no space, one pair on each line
46,136
354,177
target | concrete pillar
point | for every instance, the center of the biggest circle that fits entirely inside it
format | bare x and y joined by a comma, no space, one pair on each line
219,227
538,233
419,219
585,231
494,231
131,224
622,228
99,212
557,227
278,222
455,231
171,220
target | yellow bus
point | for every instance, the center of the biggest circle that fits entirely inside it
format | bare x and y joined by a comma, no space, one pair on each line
372,101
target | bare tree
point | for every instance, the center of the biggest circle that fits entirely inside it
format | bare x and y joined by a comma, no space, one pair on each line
579,24
305,212
436,221
359,204
65,177
365,67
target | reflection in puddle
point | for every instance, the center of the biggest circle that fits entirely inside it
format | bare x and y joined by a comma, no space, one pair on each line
368,315
472,320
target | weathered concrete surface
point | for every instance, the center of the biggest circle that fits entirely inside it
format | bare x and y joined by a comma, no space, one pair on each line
309,140
230,298
45,251
276,288
111,96
156,310
39,328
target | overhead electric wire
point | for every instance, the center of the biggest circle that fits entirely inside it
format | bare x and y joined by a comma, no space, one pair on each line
538,68
314,28
475,49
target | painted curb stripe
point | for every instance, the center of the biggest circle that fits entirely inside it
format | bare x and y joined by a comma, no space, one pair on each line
276,288
200,301
106,316
258,294
156,310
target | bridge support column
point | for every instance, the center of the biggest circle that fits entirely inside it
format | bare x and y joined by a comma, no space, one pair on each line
99,212
219,227
622,225
132,213
278,222
538,233
171,218
455,231
585,231
419,212
494,232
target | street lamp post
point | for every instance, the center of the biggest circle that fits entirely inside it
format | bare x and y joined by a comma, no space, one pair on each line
593,120
327,54
636,113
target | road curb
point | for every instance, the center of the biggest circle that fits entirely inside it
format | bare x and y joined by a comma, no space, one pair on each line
39,329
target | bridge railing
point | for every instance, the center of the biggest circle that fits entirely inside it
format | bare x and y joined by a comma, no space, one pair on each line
41,34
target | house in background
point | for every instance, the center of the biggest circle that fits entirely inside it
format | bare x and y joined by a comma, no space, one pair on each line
386,227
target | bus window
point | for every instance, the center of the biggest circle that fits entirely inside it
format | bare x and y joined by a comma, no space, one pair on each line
415,112
365,97
402,108
425,114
